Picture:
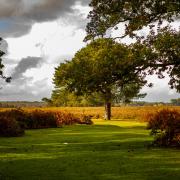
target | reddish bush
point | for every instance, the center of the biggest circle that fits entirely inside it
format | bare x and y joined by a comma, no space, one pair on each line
63,118
17,114
165,126
9,127
69,119
40,119
13,122
86,119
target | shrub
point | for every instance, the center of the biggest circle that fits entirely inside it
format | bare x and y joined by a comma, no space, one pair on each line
69,119
86,119
165,126
48,119
18,114
66,119
38,119
14,121
9,127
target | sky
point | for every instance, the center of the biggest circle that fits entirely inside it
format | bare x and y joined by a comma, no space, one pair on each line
39,35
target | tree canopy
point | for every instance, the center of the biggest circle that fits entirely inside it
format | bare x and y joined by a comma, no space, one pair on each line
107,14
175,102
163,41
100,67
165,47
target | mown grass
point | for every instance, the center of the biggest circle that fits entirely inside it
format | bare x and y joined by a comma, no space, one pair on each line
107,150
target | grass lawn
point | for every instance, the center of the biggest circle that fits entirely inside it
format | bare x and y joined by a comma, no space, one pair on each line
107,150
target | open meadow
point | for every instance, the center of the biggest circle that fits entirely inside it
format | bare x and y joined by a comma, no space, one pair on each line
135,113
116,149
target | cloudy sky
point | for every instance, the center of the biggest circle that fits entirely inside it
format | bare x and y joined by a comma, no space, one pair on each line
38,35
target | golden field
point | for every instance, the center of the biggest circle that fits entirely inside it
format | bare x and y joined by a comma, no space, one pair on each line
136,113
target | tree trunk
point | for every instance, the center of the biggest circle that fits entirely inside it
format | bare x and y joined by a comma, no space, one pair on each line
107,115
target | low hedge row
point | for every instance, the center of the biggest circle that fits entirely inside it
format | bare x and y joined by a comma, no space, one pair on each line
14,122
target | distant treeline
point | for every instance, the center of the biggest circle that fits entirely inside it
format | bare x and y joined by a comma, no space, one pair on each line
95,103
144,103
17,104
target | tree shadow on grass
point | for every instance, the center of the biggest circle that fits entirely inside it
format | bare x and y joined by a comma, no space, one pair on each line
88,164
87,152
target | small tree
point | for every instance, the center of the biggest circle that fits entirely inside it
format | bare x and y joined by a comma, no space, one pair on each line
47,101
175,101
7,79
99,67
1,65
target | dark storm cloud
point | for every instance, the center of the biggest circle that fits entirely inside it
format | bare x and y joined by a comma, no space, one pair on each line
18,16
14,27
24,65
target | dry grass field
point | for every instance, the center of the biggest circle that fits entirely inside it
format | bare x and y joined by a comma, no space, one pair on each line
137,113
124,112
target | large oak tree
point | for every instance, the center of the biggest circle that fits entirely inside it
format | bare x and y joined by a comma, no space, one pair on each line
100,67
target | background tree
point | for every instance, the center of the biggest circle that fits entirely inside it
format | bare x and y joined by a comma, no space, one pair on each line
99,67
107,14
62,97
127,93
47,101
176,101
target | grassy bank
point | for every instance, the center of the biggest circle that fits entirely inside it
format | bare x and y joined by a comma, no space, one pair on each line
105,151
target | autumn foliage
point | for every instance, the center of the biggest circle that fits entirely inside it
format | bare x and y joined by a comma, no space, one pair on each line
9,127
165,126
14,121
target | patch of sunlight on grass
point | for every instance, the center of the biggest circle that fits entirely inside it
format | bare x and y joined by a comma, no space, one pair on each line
120,123
20,156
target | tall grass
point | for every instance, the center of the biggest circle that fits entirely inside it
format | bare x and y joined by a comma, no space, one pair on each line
125,112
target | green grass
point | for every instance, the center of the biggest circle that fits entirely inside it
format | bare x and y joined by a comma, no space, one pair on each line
108,150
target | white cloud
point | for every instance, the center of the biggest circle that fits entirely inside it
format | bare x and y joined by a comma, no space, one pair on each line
160,91
55,41
50,39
